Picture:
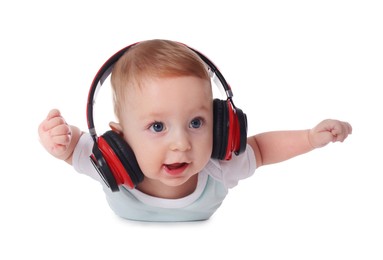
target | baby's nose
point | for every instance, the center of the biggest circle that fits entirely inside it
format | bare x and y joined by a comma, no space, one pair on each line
180,141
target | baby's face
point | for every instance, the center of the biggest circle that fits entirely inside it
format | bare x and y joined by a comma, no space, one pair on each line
168,123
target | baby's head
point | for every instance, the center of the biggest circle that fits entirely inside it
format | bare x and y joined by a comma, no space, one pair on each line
164,104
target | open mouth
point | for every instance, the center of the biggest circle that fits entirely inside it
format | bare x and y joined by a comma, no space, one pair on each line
175,168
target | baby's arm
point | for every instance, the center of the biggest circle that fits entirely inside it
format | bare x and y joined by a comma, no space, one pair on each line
57,137
274,147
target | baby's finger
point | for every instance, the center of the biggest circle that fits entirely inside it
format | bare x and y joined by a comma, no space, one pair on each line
339,137
61,140
349,128
53,113
341,131
60,130
54,122
58,149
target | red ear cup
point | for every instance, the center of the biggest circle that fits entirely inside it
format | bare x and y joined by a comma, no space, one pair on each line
121,164
229,130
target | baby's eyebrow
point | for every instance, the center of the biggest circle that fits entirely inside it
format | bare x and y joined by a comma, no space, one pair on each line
201,109
204,107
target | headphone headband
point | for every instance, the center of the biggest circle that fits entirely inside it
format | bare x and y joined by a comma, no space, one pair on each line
106,69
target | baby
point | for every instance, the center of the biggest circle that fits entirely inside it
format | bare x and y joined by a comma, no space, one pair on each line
174,151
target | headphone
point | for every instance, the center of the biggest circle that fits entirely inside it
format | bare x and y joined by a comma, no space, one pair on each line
115,160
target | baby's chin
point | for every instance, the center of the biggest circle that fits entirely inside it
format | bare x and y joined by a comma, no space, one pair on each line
178,181
182,186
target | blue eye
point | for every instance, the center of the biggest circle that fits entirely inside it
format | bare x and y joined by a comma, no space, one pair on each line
196,123
157,127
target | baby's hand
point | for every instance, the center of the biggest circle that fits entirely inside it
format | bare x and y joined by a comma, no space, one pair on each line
327,131
55,135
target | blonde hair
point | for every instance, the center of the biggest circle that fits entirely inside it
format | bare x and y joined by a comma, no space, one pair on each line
153,59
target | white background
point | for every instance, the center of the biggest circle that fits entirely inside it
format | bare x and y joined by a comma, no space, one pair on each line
290,64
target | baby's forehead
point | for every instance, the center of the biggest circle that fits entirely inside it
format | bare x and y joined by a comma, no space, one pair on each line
146,83
159,86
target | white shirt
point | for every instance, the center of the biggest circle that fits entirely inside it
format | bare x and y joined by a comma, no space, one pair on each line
213,184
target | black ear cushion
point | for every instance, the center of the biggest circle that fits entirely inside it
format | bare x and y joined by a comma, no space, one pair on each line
220,129
242,120
99,162
126,156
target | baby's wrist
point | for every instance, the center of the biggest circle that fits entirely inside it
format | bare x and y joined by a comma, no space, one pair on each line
309,133
75,136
